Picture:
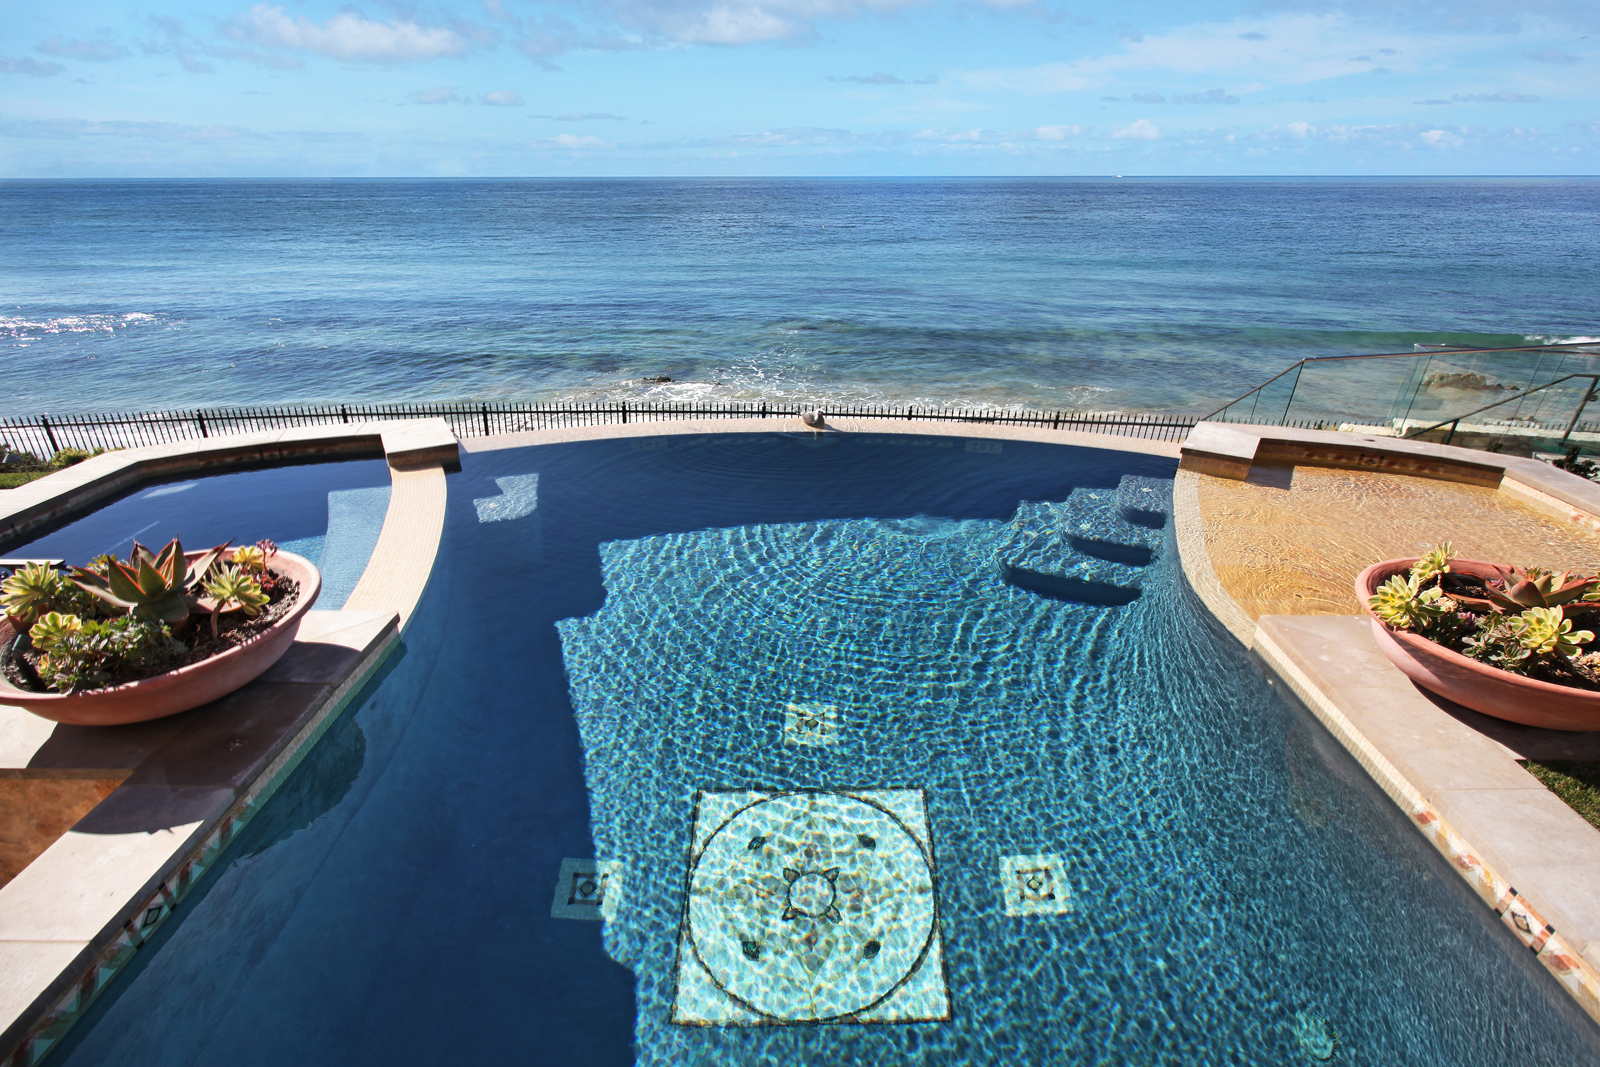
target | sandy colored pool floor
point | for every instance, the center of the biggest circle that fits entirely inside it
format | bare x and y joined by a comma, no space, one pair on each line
1290,540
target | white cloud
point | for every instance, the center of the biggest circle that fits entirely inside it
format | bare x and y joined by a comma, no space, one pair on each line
738,22
25,65
445,94
1056,133
502,98
348,36
1286,50
144,131
92,51
567,140
1142,130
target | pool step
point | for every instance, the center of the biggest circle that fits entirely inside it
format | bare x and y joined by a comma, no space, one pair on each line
1145,501
1090,548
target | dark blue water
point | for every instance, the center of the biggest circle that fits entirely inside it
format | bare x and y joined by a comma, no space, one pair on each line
582,667
1155,294
330,513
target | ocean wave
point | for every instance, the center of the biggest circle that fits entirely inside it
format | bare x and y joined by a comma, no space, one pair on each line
18,327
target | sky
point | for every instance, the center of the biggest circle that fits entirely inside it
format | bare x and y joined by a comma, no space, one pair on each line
310,88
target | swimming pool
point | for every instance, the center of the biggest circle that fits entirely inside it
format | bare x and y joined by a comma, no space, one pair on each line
714,660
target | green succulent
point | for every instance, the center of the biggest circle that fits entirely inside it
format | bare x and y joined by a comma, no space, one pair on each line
149,585
53,629
1433,564
31,592
230,589
95,651
1402,604
1544,632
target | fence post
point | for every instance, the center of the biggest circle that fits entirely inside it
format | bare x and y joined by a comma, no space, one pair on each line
624,411
344,413
200,417
485,413
50,435
763,409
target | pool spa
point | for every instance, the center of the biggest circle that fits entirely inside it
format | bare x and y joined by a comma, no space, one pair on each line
794,747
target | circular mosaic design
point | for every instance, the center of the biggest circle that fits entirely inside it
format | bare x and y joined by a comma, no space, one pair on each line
811,906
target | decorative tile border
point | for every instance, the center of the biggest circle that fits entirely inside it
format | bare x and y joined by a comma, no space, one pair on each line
1576,975
199,857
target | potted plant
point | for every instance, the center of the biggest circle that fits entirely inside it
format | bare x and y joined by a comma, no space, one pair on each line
122,641
1502,640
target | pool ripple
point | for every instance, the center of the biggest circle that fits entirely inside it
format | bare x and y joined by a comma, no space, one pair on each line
1220,872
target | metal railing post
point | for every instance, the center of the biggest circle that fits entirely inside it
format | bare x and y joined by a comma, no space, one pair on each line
50,435
1588,395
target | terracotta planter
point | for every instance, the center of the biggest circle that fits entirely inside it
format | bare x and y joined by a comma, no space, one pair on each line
182,689
1466,681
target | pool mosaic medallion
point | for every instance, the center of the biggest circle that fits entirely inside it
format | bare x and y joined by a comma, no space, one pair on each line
810,907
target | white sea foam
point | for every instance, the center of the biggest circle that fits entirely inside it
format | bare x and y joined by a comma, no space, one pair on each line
19,327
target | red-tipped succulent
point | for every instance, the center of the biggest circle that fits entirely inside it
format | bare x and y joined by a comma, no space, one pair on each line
1518,589
150,585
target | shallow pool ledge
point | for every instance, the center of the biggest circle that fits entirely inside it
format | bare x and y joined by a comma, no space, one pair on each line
177,791
1524,852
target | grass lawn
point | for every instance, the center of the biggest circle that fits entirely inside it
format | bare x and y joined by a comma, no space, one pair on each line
10,479
1576,783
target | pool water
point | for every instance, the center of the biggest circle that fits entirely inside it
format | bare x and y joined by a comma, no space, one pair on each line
330,513
845,793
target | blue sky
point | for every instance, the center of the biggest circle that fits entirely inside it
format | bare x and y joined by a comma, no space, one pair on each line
165,88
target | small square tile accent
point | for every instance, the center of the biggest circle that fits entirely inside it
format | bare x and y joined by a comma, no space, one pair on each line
810,907
587,889
1035,885
813,725
992,448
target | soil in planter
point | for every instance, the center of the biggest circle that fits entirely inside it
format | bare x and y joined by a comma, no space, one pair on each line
233,630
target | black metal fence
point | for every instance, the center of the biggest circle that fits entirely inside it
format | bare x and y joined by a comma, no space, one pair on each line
45,435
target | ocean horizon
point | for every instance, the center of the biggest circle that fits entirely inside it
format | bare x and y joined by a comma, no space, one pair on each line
1105,294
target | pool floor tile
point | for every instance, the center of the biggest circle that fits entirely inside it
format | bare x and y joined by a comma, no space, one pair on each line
587,889
1035,885
813,725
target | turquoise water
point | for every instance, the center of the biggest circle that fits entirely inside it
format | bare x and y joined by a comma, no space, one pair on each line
621,635
1151,294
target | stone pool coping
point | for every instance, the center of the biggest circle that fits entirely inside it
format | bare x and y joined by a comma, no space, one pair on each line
780,424
83,907
1455,774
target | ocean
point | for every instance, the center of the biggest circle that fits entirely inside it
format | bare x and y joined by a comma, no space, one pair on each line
1088,294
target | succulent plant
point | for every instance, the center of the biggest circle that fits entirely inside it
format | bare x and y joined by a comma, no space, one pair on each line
52,629
94,651
150,585
250,559
232,590
1401,603
1433,564
1545,632
1520,589
31,592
